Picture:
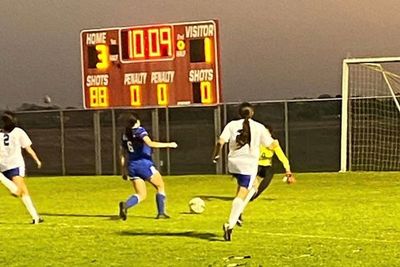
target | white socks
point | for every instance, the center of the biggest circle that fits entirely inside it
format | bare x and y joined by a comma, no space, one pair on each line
26,199
237,208
11,186
251,193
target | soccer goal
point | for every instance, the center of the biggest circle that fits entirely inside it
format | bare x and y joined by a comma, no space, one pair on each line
370,138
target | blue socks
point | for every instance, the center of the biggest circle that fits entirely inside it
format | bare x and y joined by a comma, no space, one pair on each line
160,199
132,201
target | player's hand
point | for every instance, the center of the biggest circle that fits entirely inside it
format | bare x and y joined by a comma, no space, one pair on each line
173,145
215,159
39,164
290,179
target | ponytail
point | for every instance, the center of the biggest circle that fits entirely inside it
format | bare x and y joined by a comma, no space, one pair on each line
245,134
244,137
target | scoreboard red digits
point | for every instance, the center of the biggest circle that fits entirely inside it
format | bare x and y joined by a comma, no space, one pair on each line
156,65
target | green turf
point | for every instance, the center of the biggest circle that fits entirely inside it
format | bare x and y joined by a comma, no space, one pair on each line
327,219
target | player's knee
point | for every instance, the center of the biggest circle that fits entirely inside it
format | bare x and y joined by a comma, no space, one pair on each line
142,196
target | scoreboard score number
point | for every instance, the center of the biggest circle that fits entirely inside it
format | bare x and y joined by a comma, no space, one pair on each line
148,66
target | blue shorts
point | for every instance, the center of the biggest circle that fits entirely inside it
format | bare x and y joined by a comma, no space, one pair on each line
244,180
143,169
13,172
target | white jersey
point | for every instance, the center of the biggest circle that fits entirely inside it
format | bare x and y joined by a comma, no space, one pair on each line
10,148
245,159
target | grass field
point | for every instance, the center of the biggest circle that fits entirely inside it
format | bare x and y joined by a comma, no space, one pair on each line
326,219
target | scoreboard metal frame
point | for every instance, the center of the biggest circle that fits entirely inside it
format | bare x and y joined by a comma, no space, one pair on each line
157,65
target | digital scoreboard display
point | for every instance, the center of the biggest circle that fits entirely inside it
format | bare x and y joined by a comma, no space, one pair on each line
155,65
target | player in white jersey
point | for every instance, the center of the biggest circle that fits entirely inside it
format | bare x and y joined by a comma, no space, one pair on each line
12,166
244,137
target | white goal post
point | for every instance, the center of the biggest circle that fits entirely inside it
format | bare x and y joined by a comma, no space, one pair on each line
370,132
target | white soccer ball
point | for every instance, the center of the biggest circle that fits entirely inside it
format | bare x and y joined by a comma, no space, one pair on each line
197,205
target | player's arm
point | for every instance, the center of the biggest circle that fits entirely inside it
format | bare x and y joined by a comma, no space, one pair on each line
285,161
217,149
155,144
224,137
122,162
33,154
281,156
267,140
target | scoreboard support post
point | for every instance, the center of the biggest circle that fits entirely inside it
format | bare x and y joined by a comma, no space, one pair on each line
168,140
217,127
97,142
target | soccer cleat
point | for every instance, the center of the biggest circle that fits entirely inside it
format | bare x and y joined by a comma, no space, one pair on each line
227,232
37,221
123,210
162,216
240,221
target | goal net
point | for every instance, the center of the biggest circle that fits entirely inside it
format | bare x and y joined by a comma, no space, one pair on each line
371,115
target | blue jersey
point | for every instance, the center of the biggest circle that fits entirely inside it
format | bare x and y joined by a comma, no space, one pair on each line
135,146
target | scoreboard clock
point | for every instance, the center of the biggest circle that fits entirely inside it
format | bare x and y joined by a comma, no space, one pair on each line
154,65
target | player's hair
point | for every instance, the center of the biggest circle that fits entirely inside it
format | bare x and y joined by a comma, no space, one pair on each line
245,112
131,121
9,121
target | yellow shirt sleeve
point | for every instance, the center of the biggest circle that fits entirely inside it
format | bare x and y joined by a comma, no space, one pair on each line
282,157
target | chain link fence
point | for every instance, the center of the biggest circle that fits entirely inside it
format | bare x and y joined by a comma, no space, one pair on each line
82,142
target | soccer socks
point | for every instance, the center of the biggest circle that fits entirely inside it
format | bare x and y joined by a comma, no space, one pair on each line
237,209
11,186
132,201
160,200
26,199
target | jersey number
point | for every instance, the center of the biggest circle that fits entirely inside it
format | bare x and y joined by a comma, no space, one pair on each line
6,140
130,146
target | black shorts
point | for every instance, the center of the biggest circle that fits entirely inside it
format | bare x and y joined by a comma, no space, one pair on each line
263,171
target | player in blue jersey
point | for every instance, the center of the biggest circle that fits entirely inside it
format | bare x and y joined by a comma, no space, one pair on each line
137,166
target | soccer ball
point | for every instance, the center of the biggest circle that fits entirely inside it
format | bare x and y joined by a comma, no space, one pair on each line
197,205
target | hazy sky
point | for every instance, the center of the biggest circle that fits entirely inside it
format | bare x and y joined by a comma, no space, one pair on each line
271,49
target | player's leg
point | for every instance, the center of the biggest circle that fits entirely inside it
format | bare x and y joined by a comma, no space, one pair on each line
157,181
267,175
25,197
140,194
252,191
9,184
245,187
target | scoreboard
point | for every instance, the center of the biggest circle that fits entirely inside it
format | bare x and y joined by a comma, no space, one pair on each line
154,65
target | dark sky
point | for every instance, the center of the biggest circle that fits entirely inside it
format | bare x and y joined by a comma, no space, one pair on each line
271,49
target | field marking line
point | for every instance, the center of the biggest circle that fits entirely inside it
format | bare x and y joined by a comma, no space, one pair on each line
333,237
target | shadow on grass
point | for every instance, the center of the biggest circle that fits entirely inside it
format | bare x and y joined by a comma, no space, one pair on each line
110,217
209,198
226,198
192,234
